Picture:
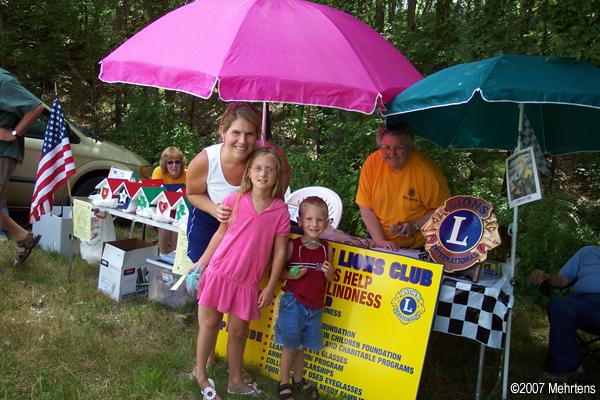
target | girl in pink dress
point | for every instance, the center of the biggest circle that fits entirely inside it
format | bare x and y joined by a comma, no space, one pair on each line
234,263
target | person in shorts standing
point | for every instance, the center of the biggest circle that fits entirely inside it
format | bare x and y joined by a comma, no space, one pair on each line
19,109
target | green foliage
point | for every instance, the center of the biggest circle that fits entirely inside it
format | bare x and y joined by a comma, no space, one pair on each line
152,124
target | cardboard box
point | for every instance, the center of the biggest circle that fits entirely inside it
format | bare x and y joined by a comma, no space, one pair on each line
56,229
161,279
123,272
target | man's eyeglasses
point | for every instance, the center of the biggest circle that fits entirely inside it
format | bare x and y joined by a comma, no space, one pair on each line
392,150
173,162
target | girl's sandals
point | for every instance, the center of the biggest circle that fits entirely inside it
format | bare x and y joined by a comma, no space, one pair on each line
304,386
252,390
209,392
25,246
285,391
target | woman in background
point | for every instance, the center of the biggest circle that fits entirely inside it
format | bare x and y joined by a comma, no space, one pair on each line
171,170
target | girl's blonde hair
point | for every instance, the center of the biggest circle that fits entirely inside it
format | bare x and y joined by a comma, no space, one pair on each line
240,110
171,153
246,186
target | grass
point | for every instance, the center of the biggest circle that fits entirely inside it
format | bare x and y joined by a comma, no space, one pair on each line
65,340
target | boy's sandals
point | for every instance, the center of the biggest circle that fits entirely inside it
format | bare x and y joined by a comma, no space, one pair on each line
252,390
209,392
25,246
285,391
304,386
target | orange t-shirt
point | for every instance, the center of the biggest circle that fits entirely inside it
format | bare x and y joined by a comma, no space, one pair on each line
401,196
158,174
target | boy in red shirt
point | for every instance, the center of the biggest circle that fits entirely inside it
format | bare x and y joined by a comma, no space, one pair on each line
298,325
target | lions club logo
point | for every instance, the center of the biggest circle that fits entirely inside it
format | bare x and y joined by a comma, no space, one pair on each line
408,305
461,232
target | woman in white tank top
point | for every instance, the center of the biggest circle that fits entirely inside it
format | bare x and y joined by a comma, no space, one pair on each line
216,172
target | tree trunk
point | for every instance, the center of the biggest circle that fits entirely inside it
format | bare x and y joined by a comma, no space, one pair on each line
392,13
121,13
410,15
379,16
525,11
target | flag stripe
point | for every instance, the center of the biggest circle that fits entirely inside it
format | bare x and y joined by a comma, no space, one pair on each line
55,166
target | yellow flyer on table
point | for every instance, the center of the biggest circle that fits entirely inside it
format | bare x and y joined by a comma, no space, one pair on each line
182,263
379,310
82,219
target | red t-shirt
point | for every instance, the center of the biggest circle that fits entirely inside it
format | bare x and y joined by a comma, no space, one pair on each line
310,289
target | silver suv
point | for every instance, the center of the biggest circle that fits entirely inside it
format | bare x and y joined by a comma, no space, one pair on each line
93,159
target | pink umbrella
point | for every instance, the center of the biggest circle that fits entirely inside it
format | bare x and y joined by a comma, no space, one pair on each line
290,51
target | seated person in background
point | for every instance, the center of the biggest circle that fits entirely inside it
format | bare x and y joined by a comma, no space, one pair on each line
398,190
172,171
579,310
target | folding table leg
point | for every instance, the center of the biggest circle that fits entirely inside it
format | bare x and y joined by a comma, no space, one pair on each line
480,371
131,230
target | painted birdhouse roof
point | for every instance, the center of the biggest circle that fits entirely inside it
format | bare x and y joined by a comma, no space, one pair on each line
112,183
185,201
173,187
151,182
149,192
130,188
170,197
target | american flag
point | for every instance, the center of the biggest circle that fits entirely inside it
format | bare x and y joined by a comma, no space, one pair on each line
55,166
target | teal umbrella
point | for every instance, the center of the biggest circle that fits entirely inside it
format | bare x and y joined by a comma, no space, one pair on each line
475,105
482,105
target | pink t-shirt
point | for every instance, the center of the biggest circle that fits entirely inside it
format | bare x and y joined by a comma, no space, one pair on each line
230,281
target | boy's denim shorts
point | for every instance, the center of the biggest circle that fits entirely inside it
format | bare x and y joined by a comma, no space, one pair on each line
298,327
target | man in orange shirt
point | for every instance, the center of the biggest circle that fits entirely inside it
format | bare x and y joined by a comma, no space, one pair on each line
398,190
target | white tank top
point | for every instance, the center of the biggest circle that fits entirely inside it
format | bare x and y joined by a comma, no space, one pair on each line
217,186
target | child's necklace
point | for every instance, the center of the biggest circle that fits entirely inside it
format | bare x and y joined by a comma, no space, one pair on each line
311,241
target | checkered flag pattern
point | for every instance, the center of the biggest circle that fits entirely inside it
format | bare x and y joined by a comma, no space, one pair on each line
474,310
528,138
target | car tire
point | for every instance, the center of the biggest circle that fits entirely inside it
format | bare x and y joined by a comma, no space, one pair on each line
85,188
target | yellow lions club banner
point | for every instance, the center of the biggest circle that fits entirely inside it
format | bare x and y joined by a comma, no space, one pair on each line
379,309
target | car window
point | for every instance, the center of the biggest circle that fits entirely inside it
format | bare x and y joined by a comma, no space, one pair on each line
38,129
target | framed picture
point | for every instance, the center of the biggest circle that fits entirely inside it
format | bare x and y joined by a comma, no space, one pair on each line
522,179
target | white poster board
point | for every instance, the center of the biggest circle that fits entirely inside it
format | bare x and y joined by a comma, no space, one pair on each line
120,173
522,179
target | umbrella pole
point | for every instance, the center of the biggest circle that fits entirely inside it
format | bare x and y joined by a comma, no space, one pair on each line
513,258
266,122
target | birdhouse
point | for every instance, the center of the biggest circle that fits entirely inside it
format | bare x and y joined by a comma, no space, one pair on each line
125,193
107,196
182,210
143,199
165,206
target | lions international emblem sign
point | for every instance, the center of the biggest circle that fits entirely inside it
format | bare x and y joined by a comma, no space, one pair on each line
461,232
